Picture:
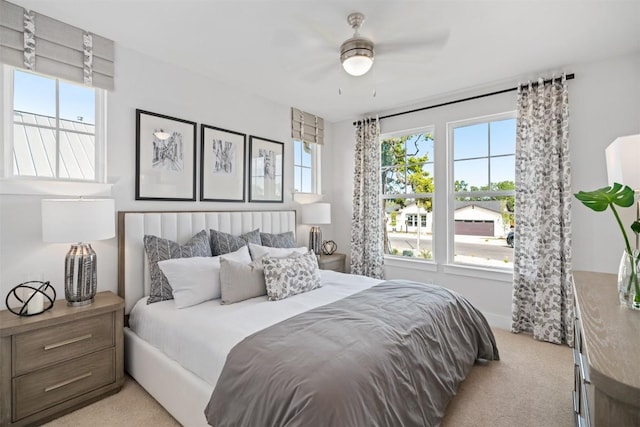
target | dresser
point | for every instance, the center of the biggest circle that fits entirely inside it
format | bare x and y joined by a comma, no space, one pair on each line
606,354
58,361
335,262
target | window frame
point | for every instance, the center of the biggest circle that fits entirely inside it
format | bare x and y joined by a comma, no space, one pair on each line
452,194
17,184
316,175
431,196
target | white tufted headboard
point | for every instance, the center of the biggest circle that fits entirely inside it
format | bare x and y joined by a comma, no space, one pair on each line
133,274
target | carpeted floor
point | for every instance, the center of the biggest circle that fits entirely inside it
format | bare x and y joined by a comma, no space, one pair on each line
529,387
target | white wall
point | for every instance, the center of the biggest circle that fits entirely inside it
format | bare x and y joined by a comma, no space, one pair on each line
148,84
604,104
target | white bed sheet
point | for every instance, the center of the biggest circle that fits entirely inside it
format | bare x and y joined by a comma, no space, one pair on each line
200,337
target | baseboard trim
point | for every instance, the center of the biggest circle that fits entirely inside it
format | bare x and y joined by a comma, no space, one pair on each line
498,321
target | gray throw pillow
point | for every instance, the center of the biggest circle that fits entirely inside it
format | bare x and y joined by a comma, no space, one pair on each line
223,243
282,240
239,281
159,249
289,276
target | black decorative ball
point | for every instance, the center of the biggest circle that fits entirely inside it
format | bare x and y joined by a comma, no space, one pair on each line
329,247
32,289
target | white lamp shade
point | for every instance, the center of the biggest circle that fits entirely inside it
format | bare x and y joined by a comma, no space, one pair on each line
357,65
316,213
77,220
623,161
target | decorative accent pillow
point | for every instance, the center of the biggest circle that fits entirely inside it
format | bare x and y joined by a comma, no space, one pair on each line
196,280
289,276
223,243
282,240
159,249
258,251
241,281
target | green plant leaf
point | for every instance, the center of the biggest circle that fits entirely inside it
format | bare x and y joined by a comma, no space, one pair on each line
636,227
598,200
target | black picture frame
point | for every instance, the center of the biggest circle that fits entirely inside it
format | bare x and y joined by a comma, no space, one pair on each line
165,168
266,167
222,164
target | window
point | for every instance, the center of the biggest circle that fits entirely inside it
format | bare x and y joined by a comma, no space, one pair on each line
55,129
306,160
483,190
408,189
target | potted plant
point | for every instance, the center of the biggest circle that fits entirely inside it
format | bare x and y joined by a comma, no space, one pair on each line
618,195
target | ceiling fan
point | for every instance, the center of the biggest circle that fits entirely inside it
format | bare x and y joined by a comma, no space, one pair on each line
357,53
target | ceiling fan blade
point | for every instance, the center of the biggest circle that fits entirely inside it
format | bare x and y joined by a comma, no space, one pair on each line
434,41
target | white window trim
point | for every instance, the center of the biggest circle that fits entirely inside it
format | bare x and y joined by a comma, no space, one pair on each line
316,177
462,268
18,185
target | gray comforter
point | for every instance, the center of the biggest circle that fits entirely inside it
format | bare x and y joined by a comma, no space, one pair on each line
392,355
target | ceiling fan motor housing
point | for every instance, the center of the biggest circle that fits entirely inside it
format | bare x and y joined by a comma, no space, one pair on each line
356,46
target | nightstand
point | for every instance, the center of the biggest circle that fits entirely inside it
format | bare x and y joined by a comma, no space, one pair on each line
335,262
58,361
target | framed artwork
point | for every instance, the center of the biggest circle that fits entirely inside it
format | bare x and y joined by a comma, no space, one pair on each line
222,160
266,160
165,157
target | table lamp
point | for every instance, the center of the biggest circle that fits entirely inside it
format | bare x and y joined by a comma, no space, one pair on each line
315,214
623,165
78,221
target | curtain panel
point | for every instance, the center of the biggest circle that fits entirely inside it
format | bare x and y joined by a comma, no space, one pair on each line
543,301
38,43
367,252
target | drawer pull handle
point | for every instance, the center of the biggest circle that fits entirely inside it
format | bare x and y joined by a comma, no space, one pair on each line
67,382
67,342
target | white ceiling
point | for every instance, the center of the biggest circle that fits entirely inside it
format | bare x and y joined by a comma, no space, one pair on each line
287,51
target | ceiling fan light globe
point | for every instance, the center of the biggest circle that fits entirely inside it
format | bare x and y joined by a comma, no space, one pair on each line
357,65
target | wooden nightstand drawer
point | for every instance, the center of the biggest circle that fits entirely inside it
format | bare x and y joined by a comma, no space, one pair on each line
43,347
50,386
335,262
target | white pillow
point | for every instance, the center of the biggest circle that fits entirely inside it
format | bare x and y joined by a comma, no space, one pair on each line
258,251
197,279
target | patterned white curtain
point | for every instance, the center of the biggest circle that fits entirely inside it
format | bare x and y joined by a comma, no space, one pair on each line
543,285
367,252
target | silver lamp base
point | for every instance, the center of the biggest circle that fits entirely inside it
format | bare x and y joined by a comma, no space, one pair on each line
315,240
80,282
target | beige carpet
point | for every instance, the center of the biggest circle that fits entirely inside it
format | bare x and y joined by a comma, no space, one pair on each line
529,387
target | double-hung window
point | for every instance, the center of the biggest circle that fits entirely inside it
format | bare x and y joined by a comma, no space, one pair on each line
482,190
306,160
408,191
55,129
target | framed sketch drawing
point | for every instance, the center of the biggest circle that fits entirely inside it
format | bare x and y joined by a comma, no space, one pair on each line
266,160
222,160
165,157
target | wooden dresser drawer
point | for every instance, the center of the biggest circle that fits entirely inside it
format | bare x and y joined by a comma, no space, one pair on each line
46,346
50,386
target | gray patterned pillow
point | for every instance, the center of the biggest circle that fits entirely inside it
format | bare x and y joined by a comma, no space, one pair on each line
282,240
159,249
289,276
223,243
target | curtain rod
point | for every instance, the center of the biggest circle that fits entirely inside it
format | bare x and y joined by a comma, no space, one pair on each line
471,98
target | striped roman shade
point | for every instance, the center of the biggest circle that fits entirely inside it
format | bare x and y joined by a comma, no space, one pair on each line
306,127
38,43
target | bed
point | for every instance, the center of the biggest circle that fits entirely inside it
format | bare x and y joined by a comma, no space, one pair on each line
181,359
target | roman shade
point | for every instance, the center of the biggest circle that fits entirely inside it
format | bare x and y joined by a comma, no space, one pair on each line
306,127
45,45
